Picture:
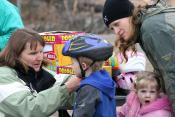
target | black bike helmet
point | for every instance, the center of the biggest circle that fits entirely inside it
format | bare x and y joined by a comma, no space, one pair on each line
88,45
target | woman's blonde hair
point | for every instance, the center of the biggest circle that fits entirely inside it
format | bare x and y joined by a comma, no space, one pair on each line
148,77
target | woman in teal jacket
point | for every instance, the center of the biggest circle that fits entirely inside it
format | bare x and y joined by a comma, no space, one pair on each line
153,27
10,20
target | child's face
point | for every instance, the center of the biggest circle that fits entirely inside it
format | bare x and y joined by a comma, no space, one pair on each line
76,67
147,94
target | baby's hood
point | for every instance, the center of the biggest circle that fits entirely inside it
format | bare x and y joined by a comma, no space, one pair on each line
162,103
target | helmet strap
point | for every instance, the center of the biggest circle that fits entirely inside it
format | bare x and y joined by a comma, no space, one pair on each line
81,68
90,65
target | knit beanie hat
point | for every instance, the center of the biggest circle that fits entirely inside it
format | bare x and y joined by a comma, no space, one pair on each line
116,9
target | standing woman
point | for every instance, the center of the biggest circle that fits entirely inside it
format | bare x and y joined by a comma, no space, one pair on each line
26,88
152,26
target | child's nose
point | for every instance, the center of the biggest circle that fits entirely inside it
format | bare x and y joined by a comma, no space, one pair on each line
147,94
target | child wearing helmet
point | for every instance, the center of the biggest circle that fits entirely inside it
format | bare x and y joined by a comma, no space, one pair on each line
95,96
128,68
123,71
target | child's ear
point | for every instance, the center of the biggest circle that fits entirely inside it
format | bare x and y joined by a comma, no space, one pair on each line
84,66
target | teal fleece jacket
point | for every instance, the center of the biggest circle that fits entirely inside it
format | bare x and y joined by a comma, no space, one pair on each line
10,20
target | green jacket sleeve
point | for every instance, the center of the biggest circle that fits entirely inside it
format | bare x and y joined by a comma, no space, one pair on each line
158,42
18,100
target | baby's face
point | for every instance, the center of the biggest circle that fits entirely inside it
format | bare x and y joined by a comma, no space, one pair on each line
147,94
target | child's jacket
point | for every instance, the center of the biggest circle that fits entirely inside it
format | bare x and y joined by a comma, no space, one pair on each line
136,62
95,97
159,108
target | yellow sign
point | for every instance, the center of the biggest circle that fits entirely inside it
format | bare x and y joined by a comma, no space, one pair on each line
49,38
53,50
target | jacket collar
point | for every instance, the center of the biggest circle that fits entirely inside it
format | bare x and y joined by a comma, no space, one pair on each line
161,7
35,80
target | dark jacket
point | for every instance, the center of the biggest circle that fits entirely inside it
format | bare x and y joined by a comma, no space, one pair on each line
95,97
158,42
38,81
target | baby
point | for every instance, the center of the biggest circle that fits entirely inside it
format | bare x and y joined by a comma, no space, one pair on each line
145,100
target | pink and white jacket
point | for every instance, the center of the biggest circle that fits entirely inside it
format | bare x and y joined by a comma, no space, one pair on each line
159,108
136,62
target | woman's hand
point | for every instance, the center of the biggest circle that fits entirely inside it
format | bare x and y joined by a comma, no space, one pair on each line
73,83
